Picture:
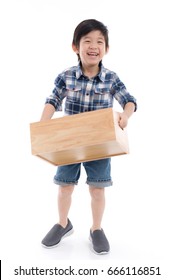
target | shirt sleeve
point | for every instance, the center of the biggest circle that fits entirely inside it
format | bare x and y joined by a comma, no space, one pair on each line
58,94
121,94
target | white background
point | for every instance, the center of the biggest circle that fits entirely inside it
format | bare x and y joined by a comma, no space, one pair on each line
35,46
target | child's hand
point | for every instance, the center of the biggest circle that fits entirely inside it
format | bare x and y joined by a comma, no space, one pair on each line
123,120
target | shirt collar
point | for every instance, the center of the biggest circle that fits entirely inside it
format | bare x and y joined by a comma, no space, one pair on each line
100,75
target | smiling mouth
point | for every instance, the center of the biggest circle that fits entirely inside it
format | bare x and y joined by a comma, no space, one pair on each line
92,54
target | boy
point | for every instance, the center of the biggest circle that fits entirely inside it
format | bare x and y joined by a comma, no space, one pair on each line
86,87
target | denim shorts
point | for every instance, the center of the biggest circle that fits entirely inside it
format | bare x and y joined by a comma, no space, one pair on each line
98,173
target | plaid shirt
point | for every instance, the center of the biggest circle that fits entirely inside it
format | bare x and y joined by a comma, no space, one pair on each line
83,94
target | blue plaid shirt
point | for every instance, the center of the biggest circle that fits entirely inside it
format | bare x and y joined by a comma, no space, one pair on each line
83,94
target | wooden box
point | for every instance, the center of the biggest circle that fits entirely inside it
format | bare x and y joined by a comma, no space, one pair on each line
79,138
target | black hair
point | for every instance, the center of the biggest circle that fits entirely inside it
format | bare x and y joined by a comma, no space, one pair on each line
87,26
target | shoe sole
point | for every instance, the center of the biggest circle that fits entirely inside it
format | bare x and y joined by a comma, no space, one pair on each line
97,253
64,236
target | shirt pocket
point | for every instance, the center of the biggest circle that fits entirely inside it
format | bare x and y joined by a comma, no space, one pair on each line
102,96
73,93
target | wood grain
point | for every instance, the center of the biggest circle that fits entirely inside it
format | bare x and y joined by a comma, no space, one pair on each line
78,138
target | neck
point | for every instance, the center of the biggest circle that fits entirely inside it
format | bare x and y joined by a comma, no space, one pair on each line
91,71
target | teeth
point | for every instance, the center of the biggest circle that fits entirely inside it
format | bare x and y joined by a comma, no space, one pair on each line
95,54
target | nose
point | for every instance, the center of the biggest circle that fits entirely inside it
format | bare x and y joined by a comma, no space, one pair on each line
92,46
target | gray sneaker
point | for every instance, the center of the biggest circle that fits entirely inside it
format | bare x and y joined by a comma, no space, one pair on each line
99,241
55,235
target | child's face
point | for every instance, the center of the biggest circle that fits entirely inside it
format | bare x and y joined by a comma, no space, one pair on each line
91,49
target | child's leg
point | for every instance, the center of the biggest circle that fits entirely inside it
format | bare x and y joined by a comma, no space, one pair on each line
64,203
97,206
99,240
63,227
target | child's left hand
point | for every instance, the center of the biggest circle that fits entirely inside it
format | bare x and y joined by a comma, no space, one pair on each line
122,120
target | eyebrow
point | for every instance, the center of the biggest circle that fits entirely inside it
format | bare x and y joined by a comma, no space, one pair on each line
99,38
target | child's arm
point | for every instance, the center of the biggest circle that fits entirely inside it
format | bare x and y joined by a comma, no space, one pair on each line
125,115
47,113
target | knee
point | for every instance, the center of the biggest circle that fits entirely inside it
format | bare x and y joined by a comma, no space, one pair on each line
65,190
96,193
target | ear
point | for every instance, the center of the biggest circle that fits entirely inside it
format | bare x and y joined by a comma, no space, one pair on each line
107,50
75,49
